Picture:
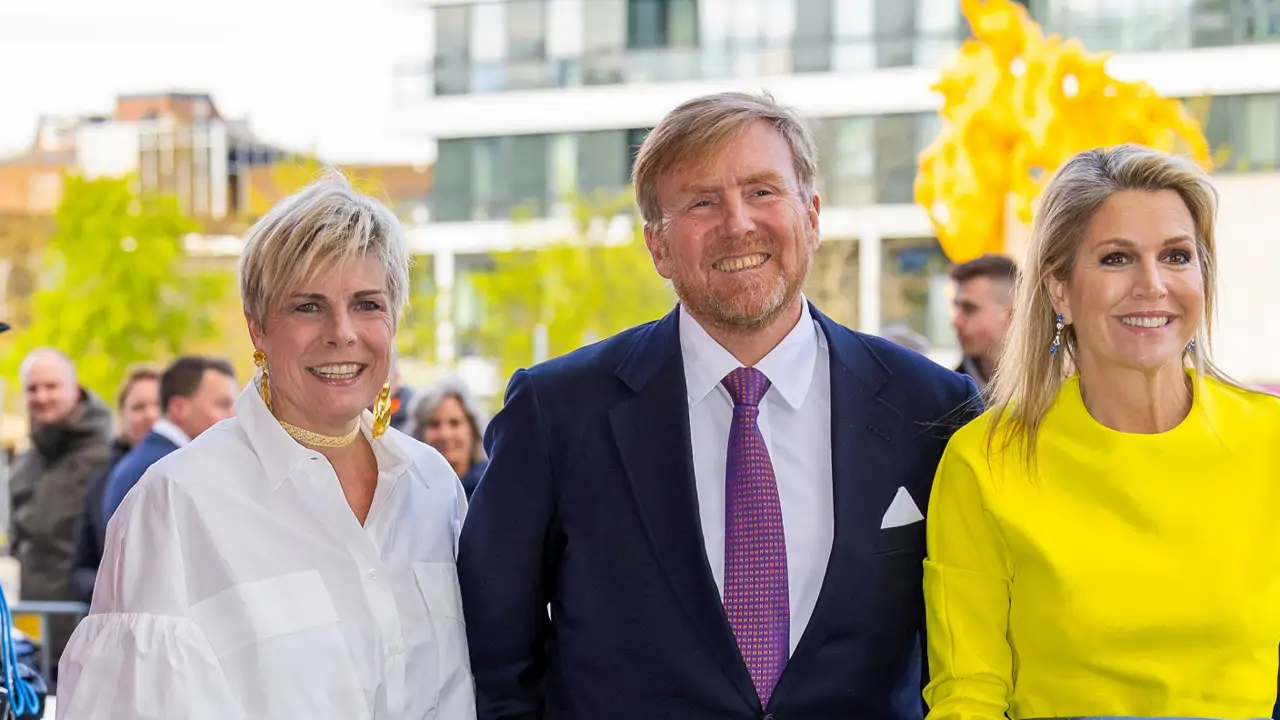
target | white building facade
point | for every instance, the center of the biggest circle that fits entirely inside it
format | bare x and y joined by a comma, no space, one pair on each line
527,100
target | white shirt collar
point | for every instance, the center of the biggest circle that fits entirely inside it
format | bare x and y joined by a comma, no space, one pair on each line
789,366
174,434
279,452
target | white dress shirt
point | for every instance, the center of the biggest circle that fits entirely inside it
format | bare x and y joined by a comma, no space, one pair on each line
174,434
795,420
237,583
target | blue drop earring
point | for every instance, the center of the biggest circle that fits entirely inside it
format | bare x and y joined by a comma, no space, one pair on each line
1057,337
1191,346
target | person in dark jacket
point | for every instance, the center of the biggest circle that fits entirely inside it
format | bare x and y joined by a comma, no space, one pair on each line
70,444
196,393
138,404
401,398
983,311
447,417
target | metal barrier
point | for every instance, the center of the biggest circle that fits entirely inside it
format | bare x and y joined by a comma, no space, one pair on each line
43,610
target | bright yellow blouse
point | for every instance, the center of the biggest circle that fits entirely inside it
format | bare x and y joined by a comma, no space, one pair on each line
1133,575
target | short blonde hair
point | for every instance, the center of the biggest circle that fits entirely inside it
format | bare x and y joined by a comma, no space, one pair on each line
1028,377
701,127
326,224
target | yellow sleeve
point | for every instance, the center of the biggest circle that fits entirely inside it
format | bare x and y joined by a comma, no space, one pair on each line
966,593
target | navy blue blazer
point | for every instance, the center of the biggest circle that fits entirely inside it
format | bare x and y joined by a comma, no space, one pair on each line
589,505
130,470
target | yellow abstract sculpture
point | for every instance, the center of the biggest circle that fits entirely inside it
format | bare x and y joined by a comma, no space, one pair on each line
1015,106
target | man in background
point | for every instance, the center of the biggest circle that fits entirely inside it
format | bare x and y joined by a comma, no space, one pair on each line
195,394
984,310
71,432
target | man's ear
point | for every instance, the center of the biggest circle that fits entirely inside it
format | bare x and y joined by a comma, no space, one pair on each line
813,211
658,250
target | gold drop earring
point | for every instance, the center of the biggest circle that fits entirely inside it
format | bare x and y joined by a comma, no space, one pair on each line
264,387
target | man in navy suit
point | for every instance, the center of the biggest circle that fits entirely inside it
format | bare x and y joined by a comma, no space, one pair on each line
718,515
195,394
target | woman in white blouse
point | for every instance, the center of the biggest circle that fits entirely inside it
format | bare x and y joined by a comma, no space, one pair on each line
296,561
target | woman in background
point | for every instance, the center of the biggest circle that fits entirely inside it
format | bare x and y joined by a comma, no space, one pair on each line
1103,540
447,417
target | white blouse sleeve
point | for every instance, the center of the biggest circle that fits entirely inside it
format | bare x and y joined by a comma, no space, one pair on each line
138,655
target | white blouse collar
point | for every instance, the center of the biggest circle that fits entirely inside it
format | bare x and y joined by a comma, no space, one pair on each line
279,453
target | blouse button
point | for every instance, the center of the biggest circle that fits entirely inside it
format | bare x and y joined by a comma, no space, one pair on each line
373,573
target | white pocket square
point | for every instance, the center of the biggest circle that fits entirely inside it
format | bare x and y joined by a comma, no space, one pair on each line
902,511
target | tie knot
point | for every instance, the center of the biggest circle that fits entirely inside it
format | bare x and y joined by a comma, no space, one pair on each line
746,386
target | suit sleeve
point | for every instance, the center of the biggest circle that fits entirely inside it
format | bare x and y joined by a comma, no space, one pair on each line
118,484
967,577
506,560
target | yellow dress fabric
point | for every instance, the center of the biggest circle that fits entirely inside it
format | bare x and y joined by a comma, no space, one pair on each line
1133,575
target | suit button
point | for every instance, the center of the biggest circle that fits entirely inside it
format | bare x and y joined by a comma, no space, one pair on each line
769,717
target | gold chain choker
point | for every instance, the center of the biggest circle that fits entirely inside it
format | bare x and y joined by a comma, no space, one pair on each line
307,437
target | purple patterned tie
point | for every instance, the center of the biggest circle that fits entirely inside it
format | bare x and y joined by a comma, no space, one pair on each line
756,598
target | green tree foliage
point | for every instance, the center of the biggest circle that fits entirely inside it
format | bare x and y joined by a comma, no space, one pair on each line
581,288
416,336
115,287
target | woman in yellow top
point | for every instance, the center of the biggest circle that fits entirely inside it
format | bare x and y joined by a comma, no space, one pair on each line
1105,540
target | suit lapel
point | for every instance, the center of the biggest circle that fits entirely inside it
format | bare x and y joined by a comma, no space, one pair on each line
652,432
864,430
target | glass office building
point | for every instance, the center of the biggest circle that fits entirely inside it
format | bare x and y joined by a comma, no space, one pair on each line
530,100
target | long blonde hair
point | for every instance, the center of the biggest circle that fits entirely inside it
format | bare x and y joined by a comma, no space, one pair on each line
1028,377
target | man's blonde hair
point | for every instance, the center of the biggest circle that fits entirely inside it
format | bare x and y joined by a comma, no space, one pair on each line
701,127
1028,376
322,226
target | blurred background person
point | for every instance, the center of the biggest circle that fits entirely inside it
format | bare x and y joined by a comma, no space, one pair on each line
1102,542
447,417
298,560
983,311
71,436
138,405
401,398
903,336
196,393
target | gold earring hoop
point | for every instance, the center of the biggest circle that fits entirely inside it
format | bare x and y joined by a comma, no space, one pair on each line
382,411
264,386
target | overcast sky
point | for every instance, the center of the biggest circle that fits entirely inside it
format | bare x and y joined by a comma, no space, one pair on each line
306,73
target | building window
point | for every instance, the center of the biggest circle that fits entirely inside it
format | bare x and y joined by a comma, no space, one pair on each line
490,181
635,138
855,49
849,156
939,28
602,161
530,189
814,33
451,193
604,37
833,281
897,144
662,23
1244,132
915,290
452,49
895,33
527,44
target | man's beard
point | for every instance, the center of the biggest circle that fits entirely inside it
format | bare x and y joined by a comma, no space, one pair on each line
748,308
